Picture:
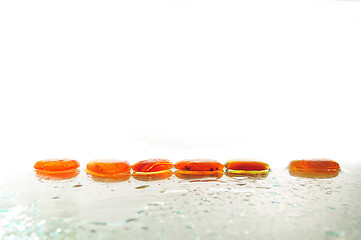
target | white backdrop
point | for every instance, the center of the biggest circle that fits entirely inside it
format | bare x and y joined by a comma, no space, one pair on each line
275,80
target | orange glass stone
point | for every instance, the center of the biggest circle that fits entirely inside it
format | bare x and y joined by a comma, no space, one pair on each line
314,165
246,165
109,169
314,168
153,165
108,166
56,165
199,165
152,176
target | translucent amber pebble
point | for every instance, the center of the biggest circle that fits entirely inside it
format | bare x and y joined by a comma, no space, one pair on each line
314,165
108,166
199,165
56,165
153,165
184,174
152,176
314,168
57,175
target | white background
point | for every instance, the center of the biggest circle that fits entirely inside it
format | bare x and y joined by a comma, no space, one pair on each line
275,80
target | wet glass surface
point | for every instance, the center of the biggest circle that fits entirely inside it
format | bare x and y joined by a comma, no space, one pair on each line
277,206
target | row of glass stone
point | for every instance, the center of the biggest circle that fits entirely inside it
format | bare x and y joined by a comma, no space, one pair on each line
153,169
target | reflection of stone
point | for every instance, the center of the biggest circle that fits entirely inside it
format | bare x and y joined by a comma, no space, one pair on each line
184,174
120,178
115,177
152,176
199,165
314,174
60,175
250,174
152,165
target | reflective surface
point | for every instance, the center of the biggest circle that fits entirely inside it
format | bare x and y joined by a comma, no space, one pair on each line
285,206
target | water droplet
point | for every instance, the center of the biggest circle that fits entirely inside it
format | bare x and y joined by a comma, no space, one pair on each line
131,220
99,223
332,233
175,191
156,203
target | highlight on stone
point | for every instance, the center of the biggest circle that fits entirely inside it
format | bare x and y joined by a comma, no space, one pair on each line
109,168
314,168
246,167
153,165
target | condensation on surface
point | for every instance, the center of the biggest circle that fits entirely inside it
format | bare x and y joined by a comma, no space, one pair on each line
278,206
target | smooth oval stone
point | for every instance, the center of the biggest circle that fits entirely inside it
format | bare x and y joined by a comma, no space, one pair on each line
199,165
187,175
314,165
105,167
153,165
56,165
246,165
152,176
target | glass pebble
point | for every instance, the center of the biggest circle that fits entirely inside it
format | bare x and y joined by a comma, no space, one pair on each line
56,165
199,165
108,166
152,165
